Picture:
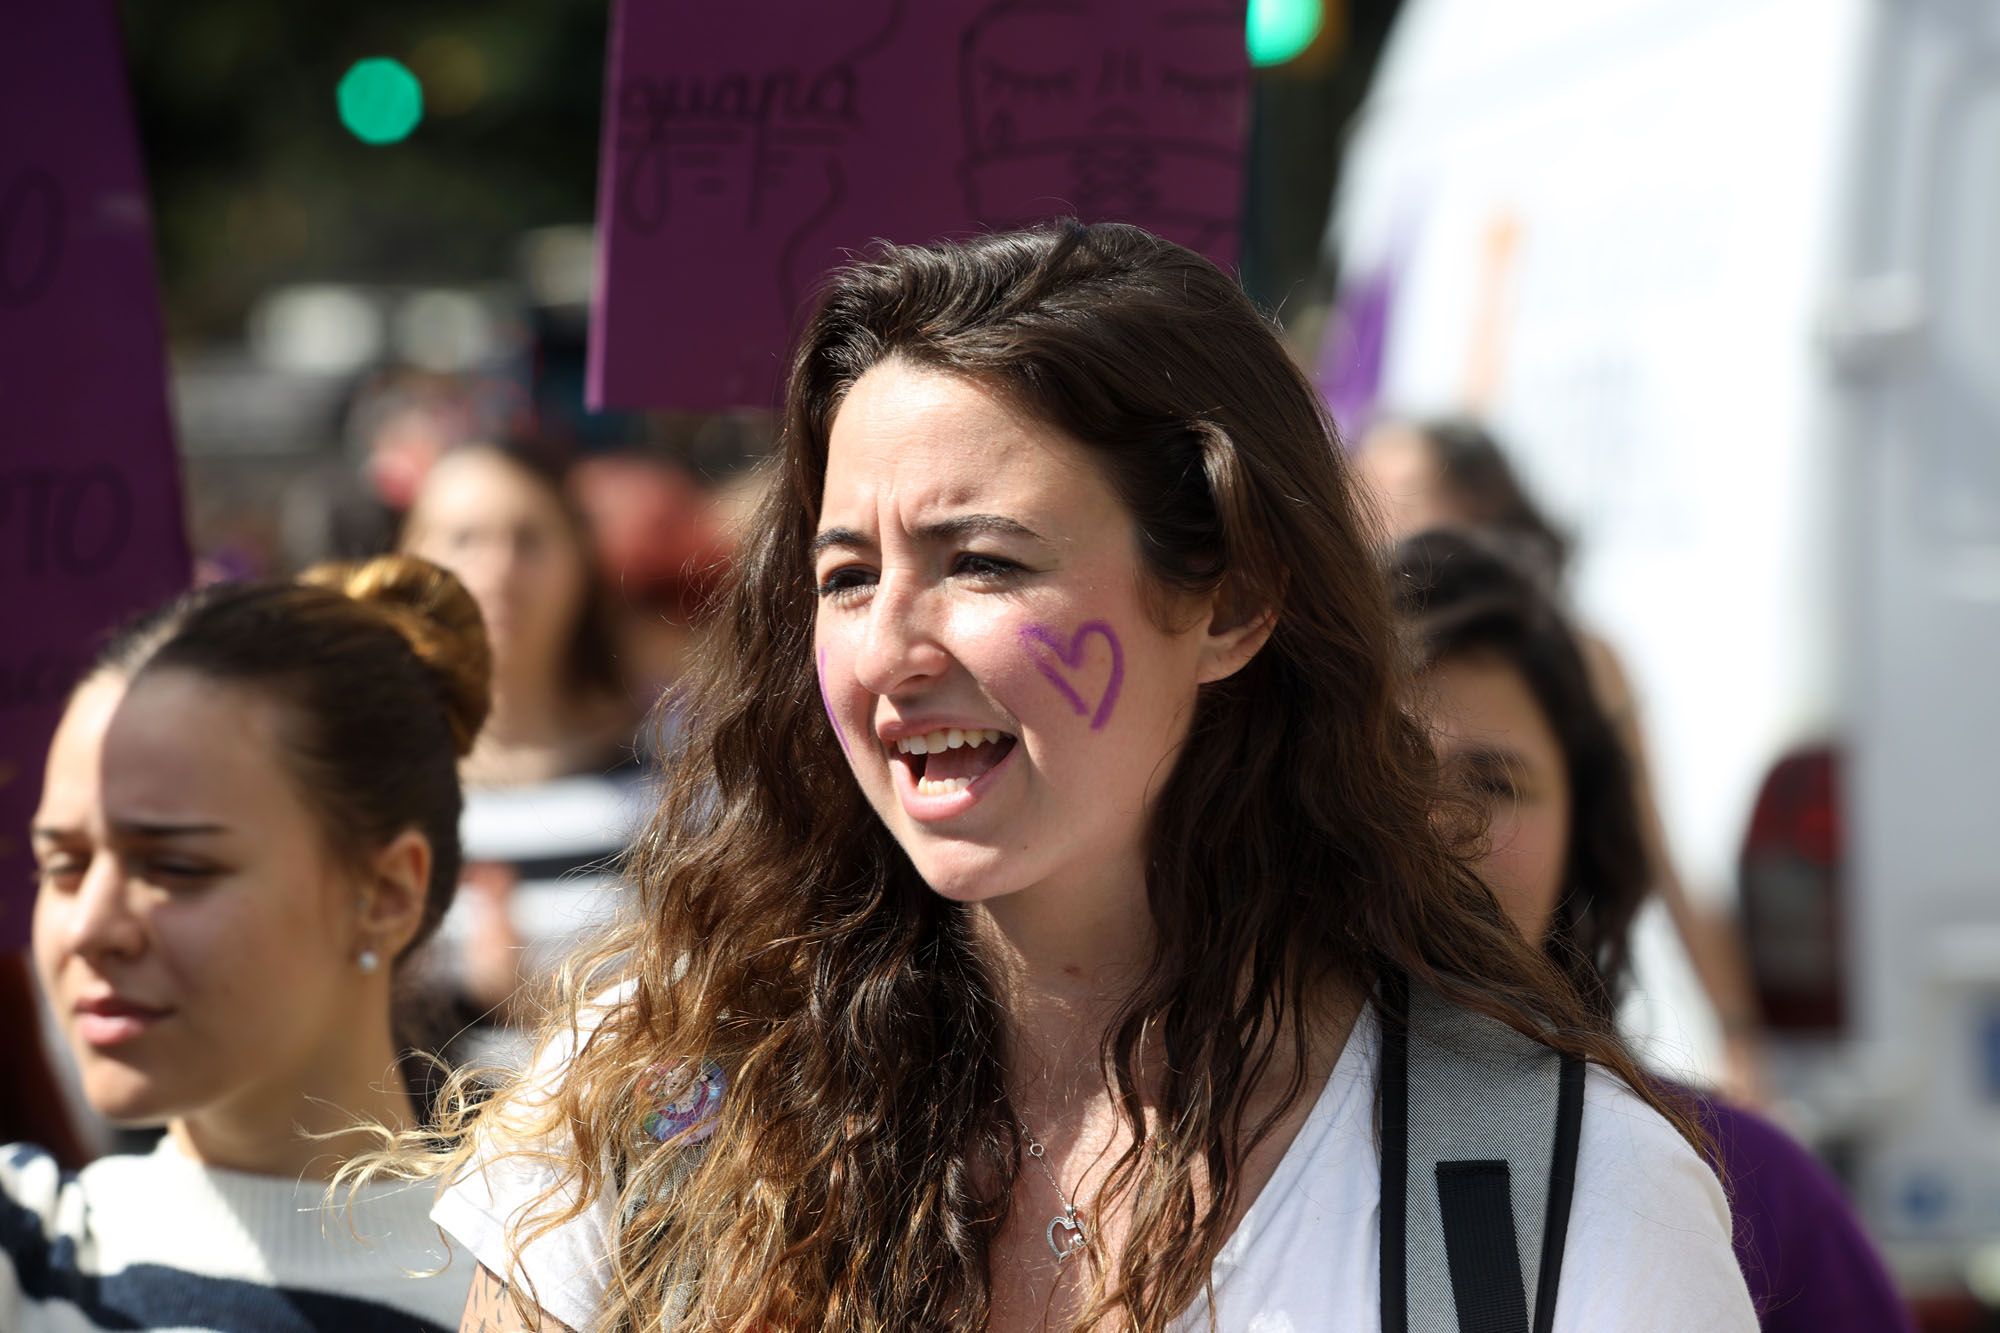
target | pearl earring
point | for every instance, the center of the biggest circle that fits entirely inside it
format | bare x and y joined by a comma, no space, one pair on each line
369,960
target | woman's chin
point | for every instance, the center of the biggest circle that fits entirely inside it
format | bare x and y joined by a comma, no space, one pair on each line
129,1101
971,876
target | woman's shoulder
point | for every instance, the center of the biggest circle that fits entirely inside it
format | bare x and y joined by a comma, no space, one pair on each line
1647,1246
130,1236
519,1206
567,1035
1617,1118
676,1100
1628,1144
45,1200
1649,1242
33,1185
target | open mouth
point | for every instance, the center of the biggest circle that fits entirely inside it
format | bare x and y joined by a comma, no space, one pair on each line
952,759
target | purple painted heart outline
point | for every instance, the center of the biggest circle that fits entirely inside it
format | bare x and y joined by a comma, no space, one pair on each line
1070,655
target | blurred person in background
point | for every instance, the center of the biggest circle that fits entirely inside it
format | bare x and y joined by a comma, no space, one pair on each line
1450,471
660,528
1563,842
397,423
554,788
250,818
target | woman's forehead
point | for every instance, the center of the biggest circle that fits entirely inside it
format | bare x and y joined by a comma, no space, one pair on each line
72,787
471,483
181,745
1482,699
925,446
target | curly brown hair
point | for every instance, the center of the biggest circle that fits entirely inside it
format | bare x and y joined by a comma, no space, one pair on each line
865,1151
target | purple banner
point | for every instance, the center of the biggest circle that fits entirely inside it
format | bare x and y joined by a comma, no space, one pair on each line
749,147
90,503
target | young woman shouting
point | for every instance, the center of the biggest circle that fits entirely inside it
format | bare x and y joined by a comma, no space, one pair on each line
1010,941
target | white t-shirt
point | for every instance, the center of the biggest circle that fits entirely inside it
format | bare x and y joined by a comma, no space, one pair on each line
1648,1249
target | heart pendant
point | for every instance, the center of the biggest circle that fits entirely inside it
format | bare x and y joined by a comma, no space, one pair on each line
1070,1243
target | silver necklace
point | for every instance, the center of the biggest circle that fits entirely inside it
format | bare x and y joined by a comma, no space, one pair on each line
1067,1221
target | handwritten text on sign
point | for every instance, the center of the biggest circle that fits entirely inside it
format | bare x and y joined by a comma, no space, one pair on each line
90,519
751,147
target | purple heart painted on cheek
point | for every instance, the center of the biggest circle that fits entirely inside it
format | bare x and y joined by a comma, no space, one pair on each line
1043,644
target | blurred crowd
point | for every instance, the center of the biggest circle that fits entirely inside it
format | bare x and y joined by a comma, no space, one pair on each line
591,563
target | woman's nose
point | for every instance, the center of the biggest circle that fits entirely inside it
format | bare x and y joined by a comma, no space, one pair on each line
103,922
901,646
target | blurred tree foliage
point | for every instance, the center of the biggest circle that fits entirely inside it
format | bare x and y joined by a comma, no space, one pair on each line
255,181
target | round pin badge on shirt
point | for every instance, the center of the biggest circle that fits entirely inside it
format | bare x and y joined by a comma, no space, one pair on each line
686,1103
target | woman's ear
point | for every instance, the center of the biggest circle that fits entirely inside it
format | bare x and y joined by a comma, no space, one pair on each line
393,893
1228,647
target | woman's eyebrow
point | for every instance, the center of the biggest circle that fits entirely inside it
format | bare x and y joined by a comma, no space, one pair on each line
1489,757
960,526
956,528
132,830
833,537
139,828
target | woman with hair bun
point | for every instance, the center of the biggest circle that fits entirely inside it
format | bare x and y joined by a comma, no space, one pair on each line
249,819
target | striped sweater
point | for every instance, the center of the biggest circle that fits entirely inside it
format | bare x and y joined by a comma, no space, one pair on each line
161,1242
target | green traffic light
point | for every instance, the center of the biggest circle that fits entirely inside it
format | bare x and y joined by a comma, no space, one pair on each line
380,101
1279,30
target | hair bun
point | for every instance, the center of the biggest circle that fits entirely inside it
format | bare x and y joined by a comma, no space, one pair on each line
437,617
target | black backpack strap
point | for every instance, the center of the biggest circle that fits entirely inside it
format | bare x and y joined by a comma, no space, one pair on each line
1392,1004
1562,1184
1479,1135
1476,1205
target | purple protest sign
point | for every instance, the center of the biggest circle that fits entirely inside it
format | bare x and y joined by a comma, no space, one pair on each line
749,147
90,505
